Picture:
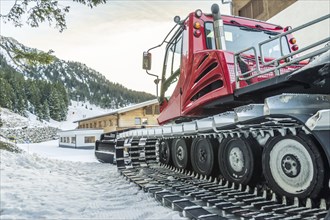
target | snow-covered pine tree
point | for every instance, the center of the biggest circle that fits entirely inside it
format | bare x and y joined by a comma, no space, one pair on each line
54,105
45,110
39,112
6,94
1,123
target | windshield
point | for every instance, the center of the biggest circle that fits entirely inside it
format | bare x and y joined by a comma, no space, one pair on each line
240,38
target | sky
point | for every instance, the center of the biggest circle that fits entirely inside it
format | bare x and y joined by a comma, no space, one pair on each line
110,38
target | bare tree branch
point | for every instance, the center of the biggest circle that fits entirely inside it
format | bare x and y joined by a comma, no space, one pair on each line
40,11
37,12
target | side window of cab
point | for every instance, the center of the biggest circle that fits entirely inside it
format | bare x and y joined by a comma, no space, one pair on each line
173,63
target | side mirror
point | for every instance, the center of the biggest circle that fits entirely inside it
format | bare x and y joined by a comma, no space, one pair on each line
146,63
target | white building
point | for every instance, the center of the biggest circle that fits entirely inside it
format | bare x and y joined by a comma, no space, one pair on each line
79,138
301,12
292,13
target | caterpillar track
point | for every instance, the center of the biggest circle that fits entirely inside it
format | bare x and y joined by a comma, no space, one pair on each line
211,196
199,197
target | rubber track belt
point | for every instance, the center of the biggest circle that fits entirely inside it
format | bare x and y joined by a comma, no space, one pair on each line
199,198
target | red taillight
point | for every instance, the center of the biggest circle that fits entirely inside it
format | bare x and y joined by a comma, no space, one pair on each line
278,28
295,47
197,33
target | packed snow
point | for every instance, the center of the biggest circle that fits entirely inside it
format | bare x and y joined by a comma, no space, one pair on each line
49,182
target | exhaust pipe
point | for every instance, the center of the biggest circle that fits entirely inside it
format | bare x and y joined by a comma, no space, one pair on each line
219,32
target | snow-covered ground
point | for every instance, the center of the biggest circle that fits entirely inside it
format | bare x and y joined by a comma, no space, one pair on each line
51,150
48,182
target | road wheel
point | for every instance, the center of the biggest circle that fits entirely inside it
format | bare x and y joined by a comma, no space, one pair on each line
239,160
164,152
180,154
202,155
293,166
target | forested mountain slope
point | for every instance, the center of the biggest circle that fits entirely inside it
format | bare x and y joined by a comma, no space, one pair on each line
47,89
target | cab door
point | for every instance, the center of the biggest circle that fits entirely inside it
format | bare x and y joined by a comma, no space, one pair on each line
171,82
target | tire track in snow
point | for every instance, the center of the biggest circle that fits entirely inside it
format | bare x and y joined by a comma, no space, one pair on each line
33,188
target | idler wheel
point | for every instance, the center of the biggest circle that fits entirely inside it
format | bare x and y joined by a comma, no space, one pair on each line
239,160
293,166
180,154
203,157
164,152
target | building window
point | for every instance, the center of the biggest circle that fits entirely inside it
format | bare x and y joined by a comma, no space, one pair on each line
104,123
94,124
144,121
157,111
90,125
137,121
86,125
149,110
90,139
73,140
110,122
100,124
61,139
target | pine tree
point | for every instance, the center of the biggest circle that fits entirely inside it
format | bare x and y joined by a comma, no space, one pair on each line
1,123
46,115
6,94
54,105
39,112
21,104
32,91
63,110
19,97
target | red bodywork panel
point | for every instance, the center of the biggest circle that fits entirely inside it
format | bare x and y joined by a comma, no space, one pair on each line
205,75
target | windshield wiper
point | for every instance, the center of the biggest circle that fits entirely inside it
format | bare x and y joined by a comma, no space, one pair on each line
271,33
249,29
